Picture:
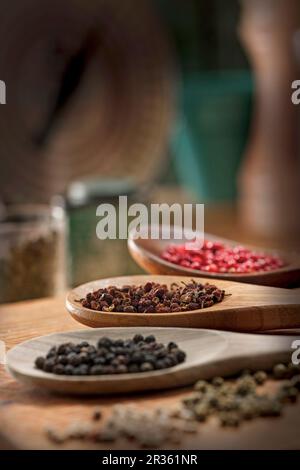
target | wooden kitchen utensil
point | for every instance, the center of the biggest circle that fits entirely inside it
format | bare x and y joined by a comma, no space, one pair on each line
209,353
269,176
247,308
89,94
147,254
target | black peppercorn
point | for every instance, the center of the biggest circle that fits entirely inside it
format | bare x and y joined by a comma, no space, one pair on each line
73,359
62,359
150,339
58,369
39,362
138,338
49,364
119,356
104,342
69,369
97,415
133,368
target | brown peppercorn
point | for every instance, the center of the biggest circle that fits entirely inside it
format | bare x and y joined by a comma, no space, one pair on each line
153,298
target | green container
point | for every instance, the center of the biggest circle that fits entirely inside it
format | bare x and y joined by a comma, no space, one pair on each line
92,258
212,131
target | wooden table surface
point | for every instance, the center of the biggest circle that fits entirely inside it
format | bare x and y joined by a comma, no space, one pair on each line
25,413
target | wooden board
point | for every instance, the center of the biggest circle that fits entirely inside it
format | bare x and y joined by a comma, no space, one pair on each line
209,353
26,412
248,308
147,254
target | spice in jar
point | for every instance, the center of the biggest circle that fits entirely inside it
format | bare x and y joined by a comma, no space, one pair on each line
139,354
153,297
32,252
216,257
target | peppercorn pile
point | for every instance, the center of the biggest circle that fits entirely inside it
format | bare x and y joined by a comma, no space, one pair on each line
154,298
140,354
215,257
236,401
232,401
148,428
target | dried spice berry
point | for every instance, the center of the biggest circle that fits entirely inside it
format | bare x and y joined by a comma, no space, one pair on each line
97,415
234,401
295,381
153,298
288,393
260,377
155,427
216,257
280,371
134,355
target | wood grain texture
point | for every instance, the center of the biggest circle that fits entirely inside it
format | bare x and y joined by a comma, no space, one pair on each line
209,353
147,254
115,122
247,308
26,412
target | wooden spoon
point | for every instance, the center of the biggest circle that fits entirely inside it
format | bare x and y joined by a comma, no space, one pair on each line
147,254
209,353
247,308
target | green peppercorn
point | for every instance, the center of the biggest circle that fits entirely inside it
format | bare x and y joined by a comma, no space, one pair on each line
201,385
280,371
293,369
201,412
217,381
295,382
260,377
288,393
229,419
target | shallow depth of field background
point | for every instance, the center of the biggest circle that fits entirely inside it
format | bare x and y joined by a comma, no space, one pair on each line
160,100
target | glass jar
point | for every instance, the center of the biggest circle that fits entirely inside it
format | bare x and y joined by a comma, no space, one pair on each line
32,252
93,258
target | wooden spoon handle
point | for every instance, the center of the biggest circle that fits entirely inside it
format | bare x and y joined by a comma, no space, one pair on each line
247,352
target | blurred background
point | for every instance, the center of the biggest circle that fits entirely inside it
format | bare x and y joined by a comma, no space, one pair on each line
159,100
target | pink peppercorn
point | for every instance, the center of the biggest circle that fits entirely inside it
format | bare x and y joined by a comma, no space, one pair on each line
215,257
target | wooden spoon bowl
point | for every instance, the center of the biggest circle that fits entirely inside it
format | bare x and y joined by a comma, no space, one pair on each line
247,307
147,254
209,353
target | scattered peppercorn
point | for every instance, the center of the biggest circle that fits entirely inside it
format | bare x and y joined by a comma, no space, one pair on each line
97,415
216,257
153,298
260,377
234,401
295,381
218,381
140,354
149,428
158,426
280,371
